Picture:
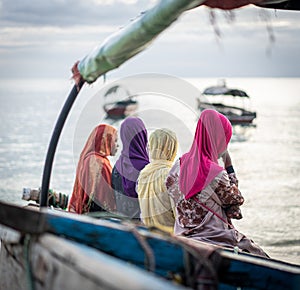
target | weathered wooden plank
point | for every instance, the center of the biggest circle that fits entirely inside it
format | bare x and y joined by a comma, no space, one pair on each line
21,219
9,235
56,263
12,270
110,272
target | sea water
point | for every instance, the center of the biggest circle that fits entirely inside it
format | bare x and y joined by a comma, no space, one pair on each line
266,157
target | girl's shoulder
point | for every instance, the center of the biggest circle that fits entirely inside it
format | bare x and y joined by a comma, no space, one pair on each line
175,170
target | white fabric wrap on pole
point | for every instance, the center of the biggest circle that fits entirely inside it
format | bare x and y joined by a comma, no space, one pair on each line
133,38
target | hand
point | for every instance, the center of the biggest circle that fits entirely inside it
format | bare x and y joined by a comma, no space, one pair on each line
226,159
233,179
234,212
229,4
76,74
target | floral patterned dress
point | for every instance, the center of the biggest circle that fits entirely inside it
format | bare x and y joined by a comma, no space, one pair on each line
207,216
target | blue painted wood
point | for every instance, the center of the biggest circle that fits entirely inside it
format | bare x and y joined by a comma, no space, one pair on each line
117,240
258,273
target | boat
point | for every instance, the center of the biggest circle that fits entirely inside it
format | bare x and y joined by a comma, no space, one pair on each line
121,103
232,102
45,247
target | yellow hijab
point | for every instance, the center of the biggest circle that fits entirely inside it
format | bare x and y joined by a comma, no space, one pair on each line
155,203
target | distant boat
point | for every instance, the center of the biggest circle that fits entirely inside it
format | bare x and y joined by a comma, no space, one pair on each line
119,103
231,102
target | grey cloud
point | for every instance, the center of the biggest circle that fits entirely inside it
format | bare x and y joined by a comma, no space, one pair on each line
65,31
68,12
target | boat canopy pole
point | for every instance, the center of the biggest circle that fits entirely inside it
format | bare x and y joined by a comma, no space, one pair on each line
114,51
54,141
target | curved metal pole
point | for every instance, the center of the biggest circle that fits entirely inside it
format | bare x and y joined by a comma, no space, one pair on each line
54,141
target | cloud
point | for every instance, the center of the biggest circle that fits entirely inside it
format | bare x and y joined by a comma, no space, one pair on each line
69,12
54,34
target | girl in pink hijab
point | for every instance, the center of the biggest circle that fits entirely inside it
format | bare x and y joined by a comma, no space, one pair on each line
206,194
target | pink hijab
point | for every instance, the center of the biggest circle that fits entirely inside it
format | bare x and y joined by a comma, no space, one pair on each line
199,166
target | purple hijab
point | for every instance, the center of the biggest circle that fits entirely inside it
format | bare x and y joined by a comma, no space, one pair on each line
134,155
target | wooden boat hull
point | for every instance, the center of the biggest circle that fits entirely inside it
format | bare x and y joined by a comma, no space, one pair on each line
52,262
173,259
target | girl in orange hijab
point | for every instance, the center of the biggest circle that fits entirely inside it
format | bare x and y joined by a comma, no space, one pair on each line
92,189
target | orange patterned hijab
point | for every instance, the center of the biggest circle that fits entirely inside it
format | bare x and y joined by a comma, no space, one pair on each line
93,175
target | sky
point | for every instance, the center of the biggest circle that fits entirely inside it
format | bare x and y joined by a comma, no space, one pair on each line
43,39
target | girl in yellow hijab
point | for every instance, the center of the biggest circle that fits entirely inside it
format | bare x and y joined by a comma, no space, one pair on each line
155,203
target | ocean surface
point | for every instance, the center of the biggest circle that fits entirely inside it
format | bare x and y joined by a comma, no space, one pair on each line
266,157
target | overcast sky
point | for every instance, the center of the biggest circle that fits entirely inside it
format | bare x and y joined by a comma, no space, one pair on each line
44,39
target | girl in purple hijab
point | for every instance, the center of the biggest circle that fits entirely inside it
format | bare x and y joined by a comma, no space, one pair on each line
134,157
